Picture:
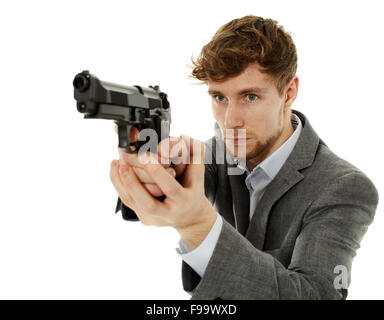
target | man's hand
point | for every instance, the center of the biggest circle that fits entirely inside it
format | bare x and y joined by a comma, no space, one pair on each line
168,149
185,207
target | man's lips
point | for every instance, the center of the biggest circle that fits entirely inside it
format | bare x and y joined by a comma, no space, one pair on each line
236,140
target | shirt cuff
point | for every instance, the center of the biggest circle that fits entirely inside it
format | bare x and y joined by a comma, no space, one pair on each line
199,257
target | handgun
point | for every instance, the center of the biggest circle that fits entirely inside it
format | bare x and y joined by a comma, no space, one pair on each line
129,107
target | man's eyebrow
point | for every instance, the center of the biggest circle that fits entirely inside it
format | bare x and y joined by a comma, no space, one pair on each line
241,92
214,92
252,90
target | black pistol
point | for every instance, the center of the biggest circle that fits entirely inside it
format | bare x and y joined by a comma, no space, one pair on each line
128,107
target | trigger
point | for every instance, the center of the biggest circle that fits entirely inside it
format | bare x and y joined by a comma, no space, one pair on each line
124,137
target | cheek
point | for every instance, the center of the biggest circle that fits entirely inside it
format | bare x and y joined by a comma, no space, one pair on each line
260,124
218,114
256,120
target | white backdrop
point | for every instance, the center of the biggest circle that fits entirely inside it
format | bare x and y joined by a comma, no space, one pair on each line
59,236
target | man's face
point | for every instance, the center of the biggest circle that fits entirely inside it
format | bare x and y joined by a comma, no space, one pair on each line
252,102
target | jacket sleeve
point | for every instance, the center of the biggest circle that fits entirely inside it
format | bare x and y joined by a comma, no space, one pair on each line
332,228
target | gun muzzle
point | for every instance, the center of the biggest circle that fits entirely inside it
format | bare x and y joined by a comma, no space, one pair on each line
81,81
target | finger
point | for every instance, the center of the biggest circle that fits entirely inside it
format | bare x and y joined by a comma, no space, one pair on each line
134,134
143,176
168,184
179,169
130,159
195,147
134,159
179,156
165,147
118,184
196,167
139,160
153,189
145,203
163,150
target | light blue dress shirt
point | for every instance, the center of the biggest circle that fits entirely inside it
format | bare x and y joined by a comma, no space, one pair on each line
256,182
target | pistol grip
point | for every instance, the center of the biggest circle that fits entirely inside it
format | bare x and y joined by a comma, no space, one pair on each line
127,213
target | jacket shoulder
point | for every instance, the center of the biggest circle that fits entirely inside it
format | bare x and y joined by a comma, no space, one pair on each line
335,177
329,166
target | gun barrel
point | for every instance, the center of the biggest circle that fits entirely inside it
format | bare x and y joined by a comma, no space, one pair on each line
81,82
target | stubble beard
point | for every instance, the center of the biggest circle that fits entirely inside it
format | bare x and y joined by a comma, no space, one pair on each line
256,153
261,149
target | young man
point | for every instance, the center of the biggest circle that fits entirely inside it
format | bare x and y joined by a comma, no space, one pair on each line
288,223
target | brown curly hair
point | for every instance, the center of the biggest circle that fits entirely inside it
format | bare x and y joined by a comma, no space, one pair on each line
247,40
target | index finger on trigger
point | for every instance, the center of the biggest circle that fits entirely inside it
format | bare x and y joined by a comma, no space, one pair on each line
133,134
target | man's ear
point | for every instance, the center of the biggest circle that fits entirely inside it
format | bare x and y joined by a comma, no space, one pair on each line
291,91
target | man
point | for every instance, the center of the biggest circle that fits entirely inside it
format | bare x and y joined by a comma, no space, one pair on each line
288,222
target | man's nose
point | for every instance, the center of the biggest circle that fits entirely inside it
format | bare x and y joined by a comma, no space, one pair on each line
233,117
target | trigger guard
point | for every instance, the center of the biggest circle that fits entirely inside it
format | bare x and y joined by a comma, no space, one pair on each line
124,135
123,131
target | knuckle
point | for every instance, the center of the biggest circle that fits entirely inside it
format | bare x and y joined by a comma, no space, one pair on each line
129,177
151,168
171,171
156,191
130,158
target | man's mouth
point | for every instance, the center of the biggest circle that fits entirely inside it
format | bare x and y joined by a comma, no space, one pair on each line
236,141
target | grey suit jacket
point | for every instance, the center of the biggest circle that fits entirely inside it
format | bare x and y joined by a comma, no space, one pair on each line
310,220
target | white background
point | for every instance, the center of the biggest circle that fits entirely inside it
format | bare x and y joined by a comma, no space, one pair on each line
59,236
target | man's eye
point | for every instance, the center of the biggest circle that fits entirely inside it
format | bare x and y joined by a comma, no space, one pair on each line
220,98
251,97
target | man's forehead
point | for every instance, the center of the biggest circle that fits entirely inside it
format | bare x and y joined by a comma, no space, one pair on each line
250,78
240,87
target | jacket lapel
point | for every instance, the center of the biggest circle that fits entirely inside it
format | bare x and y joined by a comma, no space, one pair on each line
301,157
286,179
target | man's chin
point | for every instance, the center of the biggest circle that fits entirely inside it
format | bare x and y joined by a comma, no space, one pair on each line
236,151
